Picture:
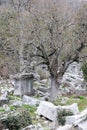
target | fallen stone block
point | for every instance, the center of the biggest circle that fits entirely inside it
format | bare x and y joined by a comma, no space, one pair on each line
3,101
48,110
79,122
34,127
72,108
66,127
30,101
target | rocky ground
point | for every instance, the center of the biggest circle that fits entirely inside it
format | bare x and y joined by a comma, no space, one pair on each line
68,112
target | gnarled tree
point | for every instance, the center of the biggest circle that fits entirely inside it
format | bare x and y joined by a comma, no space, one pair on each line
56,43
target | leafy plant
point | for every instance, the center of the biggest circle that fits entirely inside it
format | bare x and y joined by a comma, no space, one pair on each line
15,122
2,109
28,107
25,119
11,97
13,108
11,123
81,97
61,116
84,69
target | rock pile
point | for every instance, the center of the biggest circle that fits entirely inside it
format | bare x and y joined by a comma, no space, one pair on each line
77,121
73,80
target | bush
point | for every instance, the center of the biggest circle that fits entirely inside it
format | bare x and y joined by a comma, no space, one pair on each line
61,116
11,123
21,120
81,97
84,69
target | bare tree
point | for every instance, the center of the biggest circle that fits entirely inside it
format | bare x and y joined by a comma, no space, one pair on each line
21,6
53,38
8,38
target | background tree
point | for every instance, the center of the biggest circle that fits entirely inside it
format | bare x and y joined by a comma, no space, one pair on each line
81,28
14,34
81,32
8,38
21,7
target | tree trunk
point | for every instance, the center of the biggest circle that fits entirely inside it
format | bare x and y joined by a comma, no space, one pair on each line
85,84
22,40
54,89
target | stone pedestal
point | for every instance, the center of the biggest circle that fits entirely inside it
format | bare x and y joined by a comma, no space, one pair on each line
23,84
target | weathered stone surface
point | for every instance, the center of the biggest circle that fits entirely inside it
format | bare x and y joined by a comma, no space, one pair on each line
50,111
52,125
6,86
6,107
47,110
83,125
37,84
16,103
71,119
73,79
23,84
34,127
37,76
42,89
66,127
30,100
79,121
44,81
4,94
3,101
45,97
72,108
11,90
64,100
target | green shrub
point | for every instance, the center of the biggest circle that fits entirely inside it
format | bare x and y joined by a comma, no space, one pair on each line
25,119
14,108
11,123
15,122
61,116
81,97
32,109
84,69
2,109
12,97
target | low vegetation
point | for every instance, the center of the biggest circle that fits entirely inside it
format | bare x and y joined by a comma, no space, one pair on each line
15,122
80,100
62,115
84,69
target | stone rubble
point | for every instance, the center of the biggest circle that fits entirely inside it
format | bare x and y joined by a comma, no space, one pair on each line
81,123
16,103
72,108
48,110
73,80
30,100
6,107
64,100
78,121
34,127
66,127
